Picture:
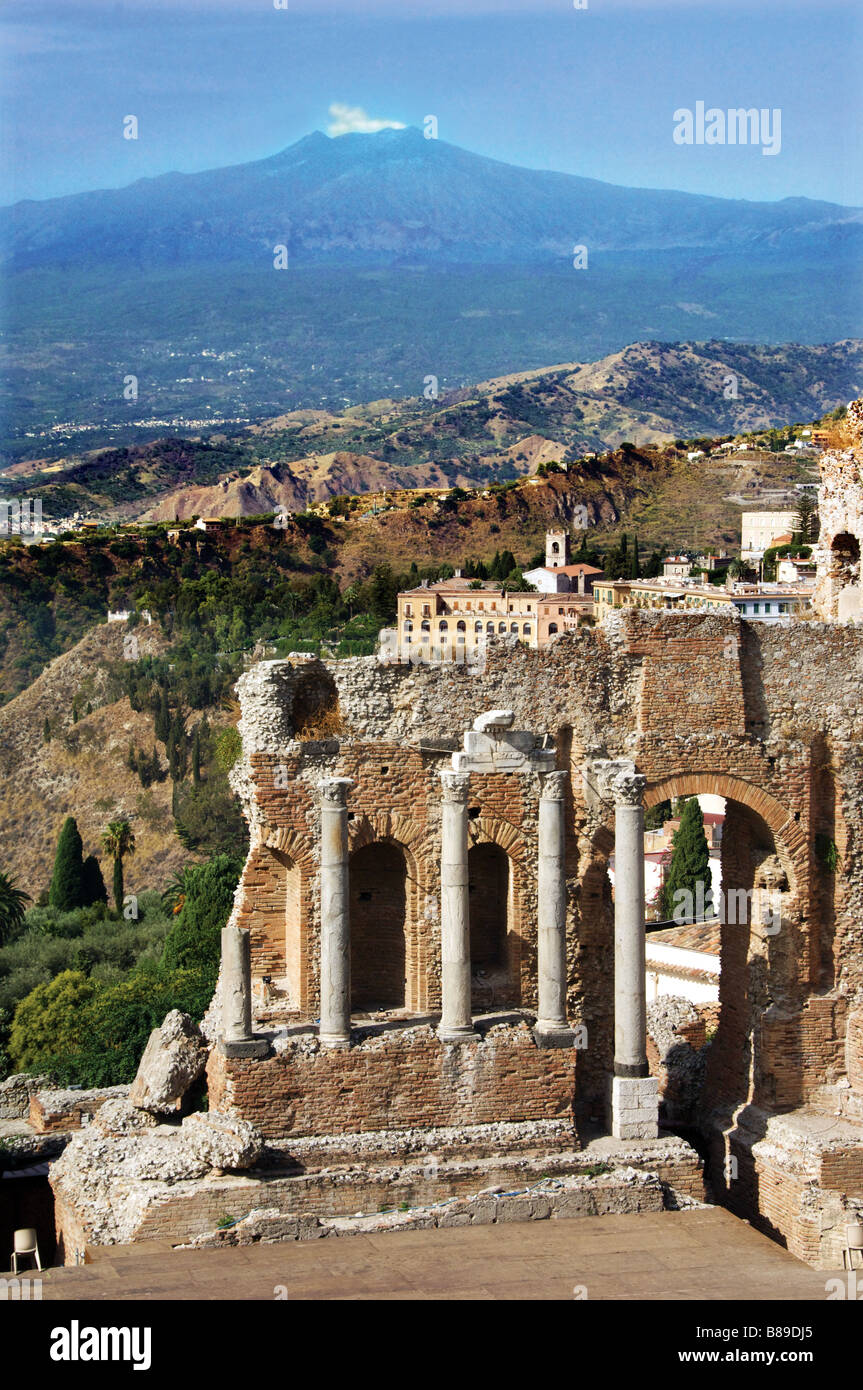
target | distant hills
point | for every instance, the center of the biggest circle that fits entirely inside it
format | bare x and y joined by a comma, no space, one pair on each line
406,258
504,428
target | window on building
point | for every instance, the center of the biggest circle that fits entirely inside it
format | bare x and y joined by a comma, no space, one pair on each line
443,625
501,627
513,627
461,626
552,629
526,629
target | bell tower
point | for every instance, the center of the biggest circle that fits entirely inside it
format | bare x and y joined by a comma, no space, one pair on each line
556,549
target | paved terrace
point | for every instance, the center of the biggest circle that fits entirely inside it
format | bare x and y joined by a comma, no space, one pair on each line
699,1254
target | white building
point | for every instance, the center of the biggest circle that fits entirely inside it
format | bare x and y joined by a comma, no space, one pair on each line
761,530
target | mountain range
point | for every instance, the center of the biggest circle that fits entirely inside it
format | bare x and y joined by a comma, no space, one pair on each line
341,270
397,196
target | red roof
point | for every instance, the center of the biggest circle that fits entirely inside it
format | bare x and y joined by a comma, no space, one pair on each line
573,569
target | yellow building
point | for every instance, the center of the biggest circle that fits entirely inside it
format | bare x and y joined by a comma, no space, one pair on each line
765,602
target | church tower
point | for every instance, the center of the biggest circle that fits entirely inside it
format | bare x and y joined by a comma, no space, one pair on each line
556,549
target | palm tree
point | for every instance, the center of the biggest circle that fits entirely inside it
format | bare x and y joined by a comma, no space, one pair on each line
118,840
12,902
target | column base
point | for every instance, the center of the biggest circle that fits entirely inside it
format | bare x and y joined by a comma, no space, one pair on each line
635,1107
244,1047
553,1034
458,1035
342,1040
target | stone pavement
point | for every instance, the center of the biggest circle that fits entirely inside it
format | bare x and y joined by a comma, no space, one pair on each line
703,1253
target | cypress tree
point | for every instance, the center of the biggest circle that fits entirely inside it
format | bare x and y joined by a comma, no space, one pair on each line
690,861
635,567
94,884
196,755
67,881
46,730
163,718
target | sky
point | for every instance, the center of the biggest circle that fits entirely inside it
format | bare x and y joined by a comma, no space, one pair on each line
589,90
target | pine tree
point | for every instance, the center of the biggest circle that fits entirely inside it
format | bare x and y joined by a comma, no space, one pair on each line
94,884
690,864
67,881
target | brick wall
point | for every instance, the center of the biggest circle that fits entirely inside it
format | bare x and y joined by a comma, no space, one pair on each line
397,1079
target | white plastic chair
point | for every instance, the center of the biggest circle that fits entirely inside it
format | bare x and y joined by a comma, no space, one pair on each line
25,1244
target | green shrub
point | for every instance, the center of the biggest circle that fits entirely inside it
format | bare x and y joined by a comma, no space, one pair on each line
51,1020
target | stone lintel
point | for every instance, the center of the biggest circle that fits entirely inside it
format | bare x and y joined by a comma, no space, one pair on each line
554,1037
245,1047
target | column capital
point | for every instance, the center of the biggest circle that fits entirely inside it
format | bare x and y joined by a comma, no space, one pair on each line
615,780
333,792
454,787
553,786
628,788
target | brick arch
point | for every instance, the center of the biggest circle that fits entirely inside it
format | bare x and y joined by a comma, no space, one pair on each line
412,840
366,829
789,839
487,829
296,847
771,811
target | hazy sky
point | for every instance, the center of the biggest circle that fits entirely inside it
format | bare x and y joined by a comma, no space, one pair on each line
588,91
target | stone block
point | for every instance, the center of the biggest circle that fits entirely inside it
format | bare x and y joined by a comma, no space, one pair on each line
173,1060
222,1141
514,1209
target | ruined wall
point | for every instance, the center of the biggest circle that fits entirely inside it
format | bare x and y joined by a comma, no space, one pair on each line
399,1079
767,717
840,511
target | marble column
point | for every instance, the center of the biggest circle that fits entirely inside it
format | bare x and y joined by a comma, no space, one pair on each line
634,1101
235,997
552,1029
456,1023
335,1026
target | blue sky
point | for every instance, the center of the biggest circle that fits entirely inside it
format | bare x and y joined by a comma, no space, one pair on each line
589,91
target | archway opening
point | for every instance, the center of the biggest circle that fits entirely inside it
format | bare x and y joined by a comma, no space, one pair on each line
490,897
378,895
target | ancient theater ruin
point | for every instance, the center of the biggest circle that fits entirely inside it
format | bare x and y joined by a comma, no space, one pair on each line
429,998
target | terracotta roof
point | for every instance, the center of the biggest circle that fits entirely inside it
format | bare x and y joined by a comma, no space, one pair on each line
573,569
695,936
